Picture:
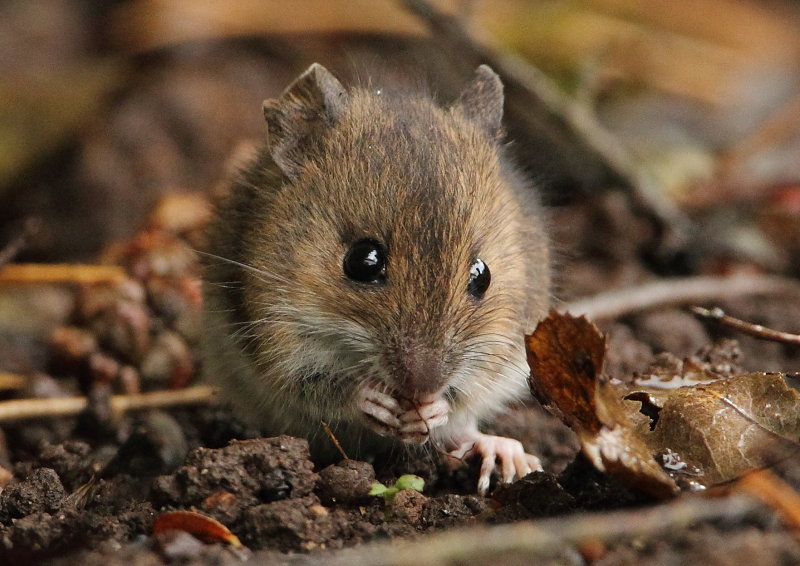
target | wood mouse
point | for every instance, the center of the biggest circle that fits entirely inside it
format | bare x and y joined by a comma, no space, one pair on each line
375,267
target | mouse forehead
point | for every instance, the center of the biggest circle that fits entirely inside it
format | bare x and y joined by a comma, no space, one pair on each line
411,173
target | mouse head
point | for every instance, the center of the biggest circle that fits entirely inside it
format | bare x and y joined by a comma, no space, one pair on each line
399,236
316,101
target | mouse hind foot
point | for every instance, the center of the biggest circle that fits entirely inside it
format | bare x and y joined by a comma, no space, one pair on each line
515,463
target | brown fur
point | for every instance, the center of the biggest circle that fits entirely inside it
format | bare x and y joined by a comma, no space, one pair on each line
290,337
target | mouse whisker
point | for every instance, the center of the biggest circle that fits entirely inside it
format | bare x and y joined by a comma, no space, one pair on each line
502,363
252,269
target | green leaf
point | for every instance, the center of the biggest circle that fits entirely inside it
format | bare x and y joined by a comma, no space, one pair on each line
410,481
378,489
407,481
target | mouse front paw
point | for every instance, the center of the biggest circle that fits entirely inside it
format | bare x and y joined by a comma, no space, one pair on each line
409,421
423,416
514,461
382,411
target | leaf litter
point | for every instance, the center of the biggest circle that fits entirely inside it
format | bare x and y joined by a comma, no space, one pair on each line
661,434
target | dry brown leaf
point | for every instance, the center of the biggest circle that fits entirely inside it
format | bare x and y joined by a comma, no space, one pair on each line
722,429
201,526
566,358
705,432
565,352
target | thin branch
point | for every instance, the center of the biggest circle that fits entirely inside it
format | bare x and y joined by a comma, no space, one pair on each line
528,541
756,330
529,88
326,427
12,381
620,302
24,409
32,273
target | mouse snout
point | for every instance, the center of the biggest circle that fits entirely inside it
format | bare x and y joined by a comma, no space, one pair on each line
419,371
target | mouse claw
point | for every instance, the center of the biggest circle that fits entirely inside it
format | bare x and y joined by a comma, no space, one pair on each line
381,409
514,461
418,422
426,416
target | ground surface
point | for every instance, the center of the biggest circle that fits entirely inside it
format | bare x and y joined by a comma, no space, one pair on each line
88,487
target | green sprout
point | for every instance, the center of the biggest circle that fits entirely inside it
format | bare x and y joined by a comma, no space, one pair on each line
408,481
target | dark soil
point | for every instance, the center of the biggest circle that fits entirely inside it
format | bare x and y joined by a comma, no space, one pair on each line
77,501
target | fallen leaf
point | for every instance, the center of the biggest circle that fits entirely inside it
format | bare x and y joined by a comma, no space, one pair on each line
201,526
725,428
704,427
566,358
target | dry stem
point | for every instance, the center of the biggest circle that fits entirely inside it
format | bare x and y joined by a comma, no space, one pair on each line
761,332
23,409
12,381
620,302
326,427
527,542
31,273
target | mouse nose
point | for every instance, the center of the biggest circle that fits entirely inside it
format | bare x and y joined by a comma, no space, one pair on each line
419,371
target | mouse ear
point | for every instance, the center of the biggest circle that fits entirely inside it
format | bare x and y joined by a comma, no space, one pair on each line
313,102
482,101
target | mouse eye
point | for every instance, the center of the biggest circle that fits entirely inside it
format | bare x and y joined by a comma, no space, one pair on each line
365,262
479,279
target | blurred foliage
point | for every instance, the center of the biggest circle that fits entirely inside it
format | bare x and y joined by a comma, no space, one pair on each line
154,94
38,114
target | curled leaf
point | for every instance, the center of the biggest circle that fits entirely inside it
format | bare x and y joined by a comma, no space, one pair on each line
702,426
198,525
566,357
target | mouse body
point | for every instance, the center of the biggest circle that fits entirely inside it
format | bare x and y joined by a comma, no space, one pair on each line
376,267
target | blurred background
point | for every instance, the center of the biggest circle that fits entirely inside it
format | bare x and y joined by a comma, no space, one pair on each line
691,107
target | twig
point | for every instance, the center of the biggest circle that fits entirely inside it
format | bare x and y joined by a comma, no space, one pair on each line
620,302
334,440
773,491
60,273
24,409
12,381
11,249
756,330
583,123
524,543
